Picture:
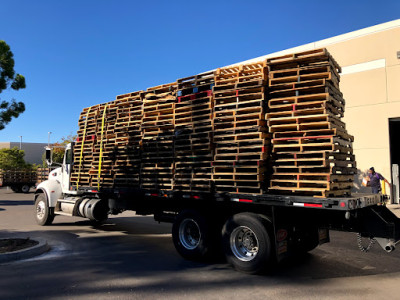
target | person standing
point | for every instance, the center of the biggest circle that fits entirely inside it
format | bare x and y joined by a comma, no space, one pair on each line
375,180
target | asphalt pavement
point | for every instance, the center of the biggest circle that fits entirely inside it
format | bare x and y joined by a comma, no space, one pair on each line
133,257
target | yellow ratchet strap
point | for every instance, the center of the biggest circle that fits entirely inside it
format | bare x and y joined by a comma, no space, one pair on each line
101,147
83,141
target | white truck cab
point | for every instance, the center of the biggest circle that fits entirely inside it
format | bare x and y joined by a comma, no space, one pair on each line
56,196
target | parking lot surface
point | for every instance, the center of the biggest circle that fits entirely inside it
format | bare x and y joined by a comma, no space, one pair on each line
133,257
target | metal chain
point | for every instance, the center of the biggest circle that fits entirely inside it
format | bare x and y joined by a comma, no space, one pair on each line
372,241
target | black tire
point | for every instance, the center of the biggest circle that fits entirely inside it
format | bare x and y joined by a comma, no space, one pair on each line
194,236
25,188
247,243
44,214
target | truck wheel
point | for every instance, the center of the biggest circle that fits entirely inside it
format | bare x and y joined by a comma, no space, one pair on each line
25,188
192,236
246,242
43,213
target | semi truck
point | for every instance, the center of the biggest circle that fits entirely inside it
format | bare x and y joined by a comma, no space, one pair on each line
198,153
253,231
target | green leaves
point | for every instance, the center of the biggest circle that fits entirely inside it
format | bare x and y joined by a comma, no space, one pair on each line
9,109
12,159
18,83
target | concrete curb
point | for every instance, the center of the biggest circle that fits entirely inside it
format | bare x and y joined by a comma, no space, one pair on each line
36,250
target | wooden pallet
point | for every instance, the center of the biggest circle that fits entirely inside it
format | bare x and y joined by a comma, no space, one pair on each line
311,57
195,84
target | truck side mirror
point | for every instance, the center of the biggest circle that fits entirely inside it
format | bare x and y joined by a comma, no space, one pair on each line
49,156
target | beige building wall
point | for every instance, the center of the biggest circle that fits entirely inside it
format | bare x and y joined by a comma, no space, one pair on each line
33,151
370,83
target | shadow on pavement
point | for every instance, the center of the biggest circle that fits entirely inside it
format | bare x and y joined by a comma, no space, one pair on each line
15,202
130,256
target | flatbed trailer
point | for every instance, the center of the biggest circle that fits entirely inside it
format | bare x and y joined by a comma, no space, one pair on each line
20,181
252,231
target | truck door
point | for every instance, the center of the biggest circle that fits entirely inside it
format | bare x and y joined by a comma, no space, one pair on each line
66,169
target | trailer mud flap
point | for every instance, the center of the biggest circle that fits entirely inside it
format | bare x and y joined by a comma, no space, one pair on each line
379,222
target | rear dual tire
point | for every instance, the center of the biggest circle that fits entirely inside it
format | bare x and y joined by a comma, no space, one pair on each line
195,236
245,240
247,243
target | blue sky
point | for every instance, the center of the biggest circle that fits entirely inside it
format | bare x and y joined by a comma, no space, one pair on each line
75,54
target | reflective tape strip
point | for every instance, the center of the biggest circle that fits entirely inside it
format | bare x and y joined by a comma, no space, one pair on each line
307,204
101,147
81,154
242,200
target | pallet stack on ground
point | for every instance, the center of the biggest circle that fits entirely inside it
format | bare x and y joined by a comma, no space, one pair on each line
157,163
240,131
312,151
193,134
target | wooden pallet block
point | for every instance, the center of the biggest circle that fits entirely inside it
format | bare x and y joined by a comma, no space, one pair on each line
311,147
282,75
314,108
313,162
314,176
313,132
324,87
196,80
243,92
304,123
331,170
301,58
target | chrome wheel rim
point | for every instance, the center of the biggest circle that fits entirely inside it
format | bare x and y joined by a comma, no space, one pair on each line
244,243
40,210
189,234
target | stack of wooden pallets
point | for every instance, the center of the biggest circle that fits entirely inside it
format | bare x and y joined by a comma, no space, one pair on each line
213,132
42,174
240,131
157,162
94,150
193,134
128,136
312,151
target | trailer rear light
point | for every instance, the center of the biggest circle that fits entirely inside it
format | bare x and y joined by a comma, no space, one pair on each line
242,200
151,195
307,204
246,200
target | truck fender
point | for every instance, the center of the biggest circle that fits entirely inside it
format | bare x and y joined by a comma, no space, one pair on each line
52,190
